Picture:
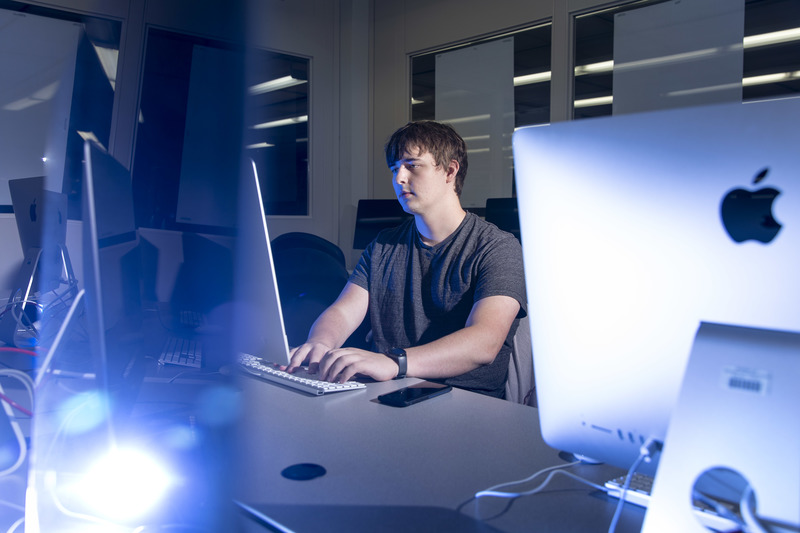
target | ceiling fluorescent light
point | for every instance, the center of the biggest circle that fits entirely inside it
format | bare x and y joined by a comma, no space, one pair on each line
775,37
42,95
532,78
275,85
771,78
751,41
589,102
259,145
462,120
108,59
282,122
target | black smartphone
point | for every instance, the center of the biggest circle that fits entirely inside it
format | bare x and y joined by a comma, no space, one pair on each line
413,394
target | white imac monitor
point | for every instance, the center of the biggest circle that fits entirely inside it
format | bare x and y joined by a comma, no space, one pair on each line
637,228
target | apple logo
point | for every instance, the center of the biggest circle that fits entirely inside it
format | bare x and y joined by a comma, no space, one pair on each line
32,211
747,215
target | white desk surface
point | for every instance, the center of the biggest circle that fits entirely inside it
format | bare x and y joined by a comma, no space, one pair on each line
408,469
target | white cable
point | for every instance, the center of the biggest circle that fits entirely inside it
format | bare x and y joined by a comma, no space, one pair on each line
487,492
646,454
54,347
752,524
24,378
15,525
541,486
23,448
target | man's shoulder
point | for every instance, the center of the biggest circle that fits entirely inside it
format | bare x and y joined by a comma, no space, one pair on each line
394,236
486,232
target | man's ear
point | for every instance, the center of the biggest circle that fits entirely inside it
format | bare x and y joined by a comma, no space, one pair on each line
452,171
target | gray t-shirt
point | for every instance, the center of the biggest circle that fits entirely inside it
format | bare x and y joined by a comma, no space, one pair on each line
420,293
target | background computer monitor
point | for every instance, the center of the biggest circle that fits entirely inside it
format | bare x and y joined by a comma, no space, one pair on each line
374,215
45,284
111,274
626,252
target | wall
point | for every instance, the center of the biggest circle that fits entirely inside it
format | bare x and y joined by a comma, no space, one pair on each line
359,51
309,28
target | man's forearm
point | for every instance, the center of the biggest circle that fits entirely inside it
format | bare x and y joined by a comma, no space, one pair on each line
332,328
469,348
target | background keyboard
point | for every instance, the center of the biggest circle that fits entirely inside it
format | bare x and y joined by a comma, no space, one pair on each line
182,351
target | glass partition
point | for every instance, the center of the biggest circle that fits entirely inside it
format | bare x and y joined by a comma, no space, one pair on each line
202,100
771,54
486,89
59,75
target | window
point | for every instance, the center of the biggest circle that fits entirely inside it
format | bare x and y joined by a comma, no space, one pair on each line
201,101
51,47
531,78
508,77
771,56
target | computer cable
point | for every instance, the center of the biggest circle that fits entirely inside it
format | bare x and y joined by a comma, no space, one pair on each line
554,471
26,381
12,349
20,445
15,525
44,367
746,506
647,452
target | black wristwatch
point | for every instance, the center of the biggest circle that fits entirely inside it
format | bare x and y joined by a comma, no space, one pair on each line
398,355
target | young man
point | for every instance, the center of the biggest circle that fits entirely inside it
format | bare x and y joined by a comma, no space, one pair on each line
444,291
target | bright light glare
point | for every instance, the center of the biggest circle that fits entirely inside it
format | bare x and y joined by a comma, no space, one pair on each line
124,484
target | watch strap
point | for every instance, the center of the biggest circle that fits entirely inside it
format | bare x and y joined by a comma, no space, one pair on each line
398,355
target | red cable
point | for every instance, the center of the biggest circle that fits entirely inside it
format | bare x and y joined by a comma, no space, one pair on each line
14,404
18,350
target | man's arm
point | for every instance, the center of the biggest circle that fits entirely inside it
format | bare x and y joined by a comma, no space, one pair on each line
462,351
333,326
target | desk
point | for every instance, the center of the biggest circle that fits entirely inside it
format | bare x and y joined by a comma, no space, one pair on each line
408,469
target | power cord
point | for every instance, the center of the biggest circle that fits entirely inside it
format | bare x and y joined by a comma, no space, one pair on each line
553,471
20,438
26,381
647,452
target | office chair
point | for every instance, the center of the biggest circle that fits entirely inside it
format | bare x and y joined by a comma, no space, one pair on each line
310,272
374,215
520,385
503,213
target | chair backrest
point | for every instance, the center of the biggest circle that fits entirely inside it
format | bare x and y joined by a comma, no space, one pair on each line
310,272
299,239
374,215
503,213
521,385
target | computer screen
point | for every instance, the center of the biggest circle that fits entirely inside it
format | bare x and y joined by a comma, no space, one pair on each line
111,273
635,229
374,215
258,325
45,283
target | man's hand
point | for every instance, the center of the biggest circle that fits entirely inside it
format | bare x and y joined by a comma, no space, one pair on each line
310,353
342,364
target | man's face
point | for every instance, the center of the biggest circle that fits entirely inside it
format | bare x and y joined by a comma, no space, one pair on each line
419,182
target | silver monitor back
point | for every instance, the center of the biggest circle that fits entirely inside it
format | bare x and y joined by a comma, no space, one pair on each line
626,251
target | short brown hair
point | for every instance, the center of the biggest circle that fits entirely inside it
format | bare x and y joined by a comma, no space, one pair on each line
440,139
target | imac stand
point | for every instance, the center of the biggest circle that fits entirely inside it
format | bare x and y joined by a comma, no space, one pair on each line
37,297
734,435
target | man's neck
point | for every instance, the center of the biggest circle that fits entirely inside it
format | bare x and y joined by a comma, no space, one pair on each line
436,227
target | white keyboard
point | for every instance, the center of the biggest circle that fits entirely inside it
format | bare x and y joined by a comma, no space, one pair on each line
639,493
181,351
299,380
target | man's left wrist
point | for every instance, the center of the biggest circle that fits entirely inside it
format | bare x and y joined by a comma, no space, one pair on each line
398,355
